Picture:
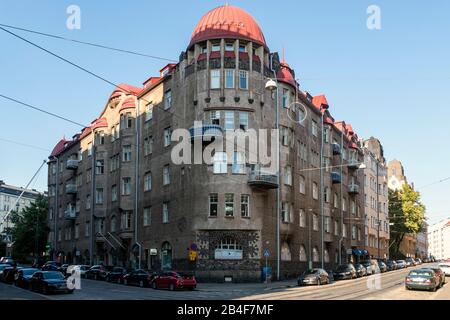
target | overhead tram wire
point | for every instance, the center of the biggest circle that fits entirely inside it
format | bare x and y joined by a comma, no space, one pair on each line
88,43
24,144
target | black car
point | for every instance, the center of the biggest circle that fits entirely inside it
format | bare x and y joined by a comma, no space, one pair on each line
138,277
313,276
360,270
23,276
345,271
63,268
97,272
116,275
51,266
8,274
49,282
391,265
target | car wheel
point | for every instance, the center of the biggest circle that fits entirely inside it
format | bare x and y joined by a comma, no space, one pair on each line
125,282
171,287
141,284
45,290
95,277
71,291
154,286
118,280
191,288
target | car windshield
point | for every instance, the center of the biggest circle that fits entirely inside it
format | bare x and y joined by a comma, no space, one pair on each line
420,273
311,271
342,268
53,276
29,272
3,266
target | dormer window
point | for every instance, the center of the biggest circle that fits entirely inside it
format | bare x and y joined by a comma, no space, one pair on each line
215,47
229,47
242,48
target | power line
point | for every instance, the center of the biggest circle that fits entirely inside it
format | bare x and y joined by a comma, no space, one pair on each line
433,183
24,144
88,43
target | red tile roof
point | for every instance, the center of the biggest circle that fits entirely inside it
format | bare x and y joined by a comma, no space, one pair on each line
99,123
319,101
285,75
59,147
228,22
128,103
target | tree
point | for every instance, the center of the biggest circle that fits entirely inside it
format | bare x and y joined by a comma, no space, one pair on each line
30,230
406,214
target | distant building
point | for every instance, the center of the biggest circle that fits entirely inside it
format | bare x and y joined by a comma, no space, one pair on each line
439,239
8,198
422,242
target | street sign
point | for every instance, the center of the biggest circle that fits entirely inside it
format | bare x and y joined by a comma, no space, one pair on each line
266,253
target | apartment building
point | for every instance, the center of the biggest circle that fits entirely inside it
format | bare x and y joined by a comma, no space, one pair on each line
439,240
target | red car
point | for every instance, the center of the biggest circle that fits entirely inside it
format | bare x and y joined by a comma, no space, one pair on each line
173,281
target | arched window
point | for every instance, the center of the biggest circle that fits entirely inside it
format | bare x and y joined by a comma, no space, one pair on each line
285,252
315,254
303,253
326,255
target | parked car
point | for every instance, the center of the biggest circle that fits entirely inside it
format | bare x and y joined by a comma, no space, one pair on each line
313,276
361,271
445,267
97,272
345,271
423,279
63,268
401,264
51,266
3,259
410,262
330,276
2,268
80,267
8,260
382,266
116,275
371,266
9,274
441,275
391,265
176,280
49,282
138,277
23,276
418,261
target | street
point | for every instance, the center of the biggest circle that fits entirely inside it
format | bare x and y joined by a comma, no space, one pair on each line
386,286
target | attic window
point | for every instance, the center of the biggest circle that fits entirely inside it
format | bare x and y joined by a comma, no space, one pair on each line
242,48
215,47
229,47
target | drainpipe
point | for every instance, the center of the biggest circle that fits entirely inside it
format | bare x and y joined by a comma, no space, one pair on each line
321,193
56,212
136,178
91,231
341,238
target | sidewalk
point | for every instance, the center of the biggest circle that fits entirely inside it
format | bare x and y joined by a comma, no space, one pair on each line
241,287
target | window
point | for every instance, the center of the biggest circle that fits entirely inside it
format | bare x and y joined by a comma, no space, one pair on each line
302,184
315,222
288,176
326,134
167,136
326,256
126,154
148,181
204,49
242,48
99,196
126,186
284,136
353,207
327,224
243,121
148,146
77,231
129,120
166,175
229,46
147,216
344,230
88,175
126,220
302,218
344,204
78,205
315,191
213,204
87,229
238,166
89,151
354,233
215,117
314,128
336,228
79,180
285,252
100,226
215,79
286,96
220,162
165,217
243,80
326,164
327,194
53,168
88,202
302,253
229,204
315,254
149,112
285,212
336,201
229,78
215,47
245,206
167,99
229,120
114,193
59,235
301,116
99,166
113,223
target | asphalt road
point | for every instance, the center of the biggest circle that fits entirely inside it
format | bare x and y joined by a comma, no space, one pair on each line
380,287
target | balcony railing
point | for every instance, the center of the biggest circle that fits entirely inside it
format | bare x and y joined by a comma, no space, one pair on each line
336,149
70,213
353,188
71,188
205,132
72,164
263,179
335,177
353,164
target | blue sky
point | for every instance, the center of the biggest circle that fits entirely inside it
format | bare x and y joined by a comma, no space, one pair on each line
390,83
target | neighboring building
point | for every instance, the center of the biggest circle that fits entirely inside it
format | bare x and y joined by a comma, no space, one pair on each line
376,199
396,179
116,196
439,240
8,198
422,242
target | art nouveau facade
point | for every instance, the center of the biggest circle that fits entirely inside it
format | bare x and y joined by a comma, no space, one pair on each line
118,198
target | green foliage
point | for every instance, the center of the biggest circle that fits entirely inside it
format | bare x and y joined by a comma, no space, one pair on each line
406,213
30,230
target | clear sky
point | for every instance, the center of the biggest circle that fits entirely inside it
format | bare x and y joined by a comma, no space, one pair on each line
391,83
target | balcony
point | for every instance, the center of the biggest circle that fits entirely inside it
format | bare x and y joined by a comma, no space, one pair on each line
72,164
71,188
353,164
259,178
70,213
353,188
336,149
335,177
206,133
